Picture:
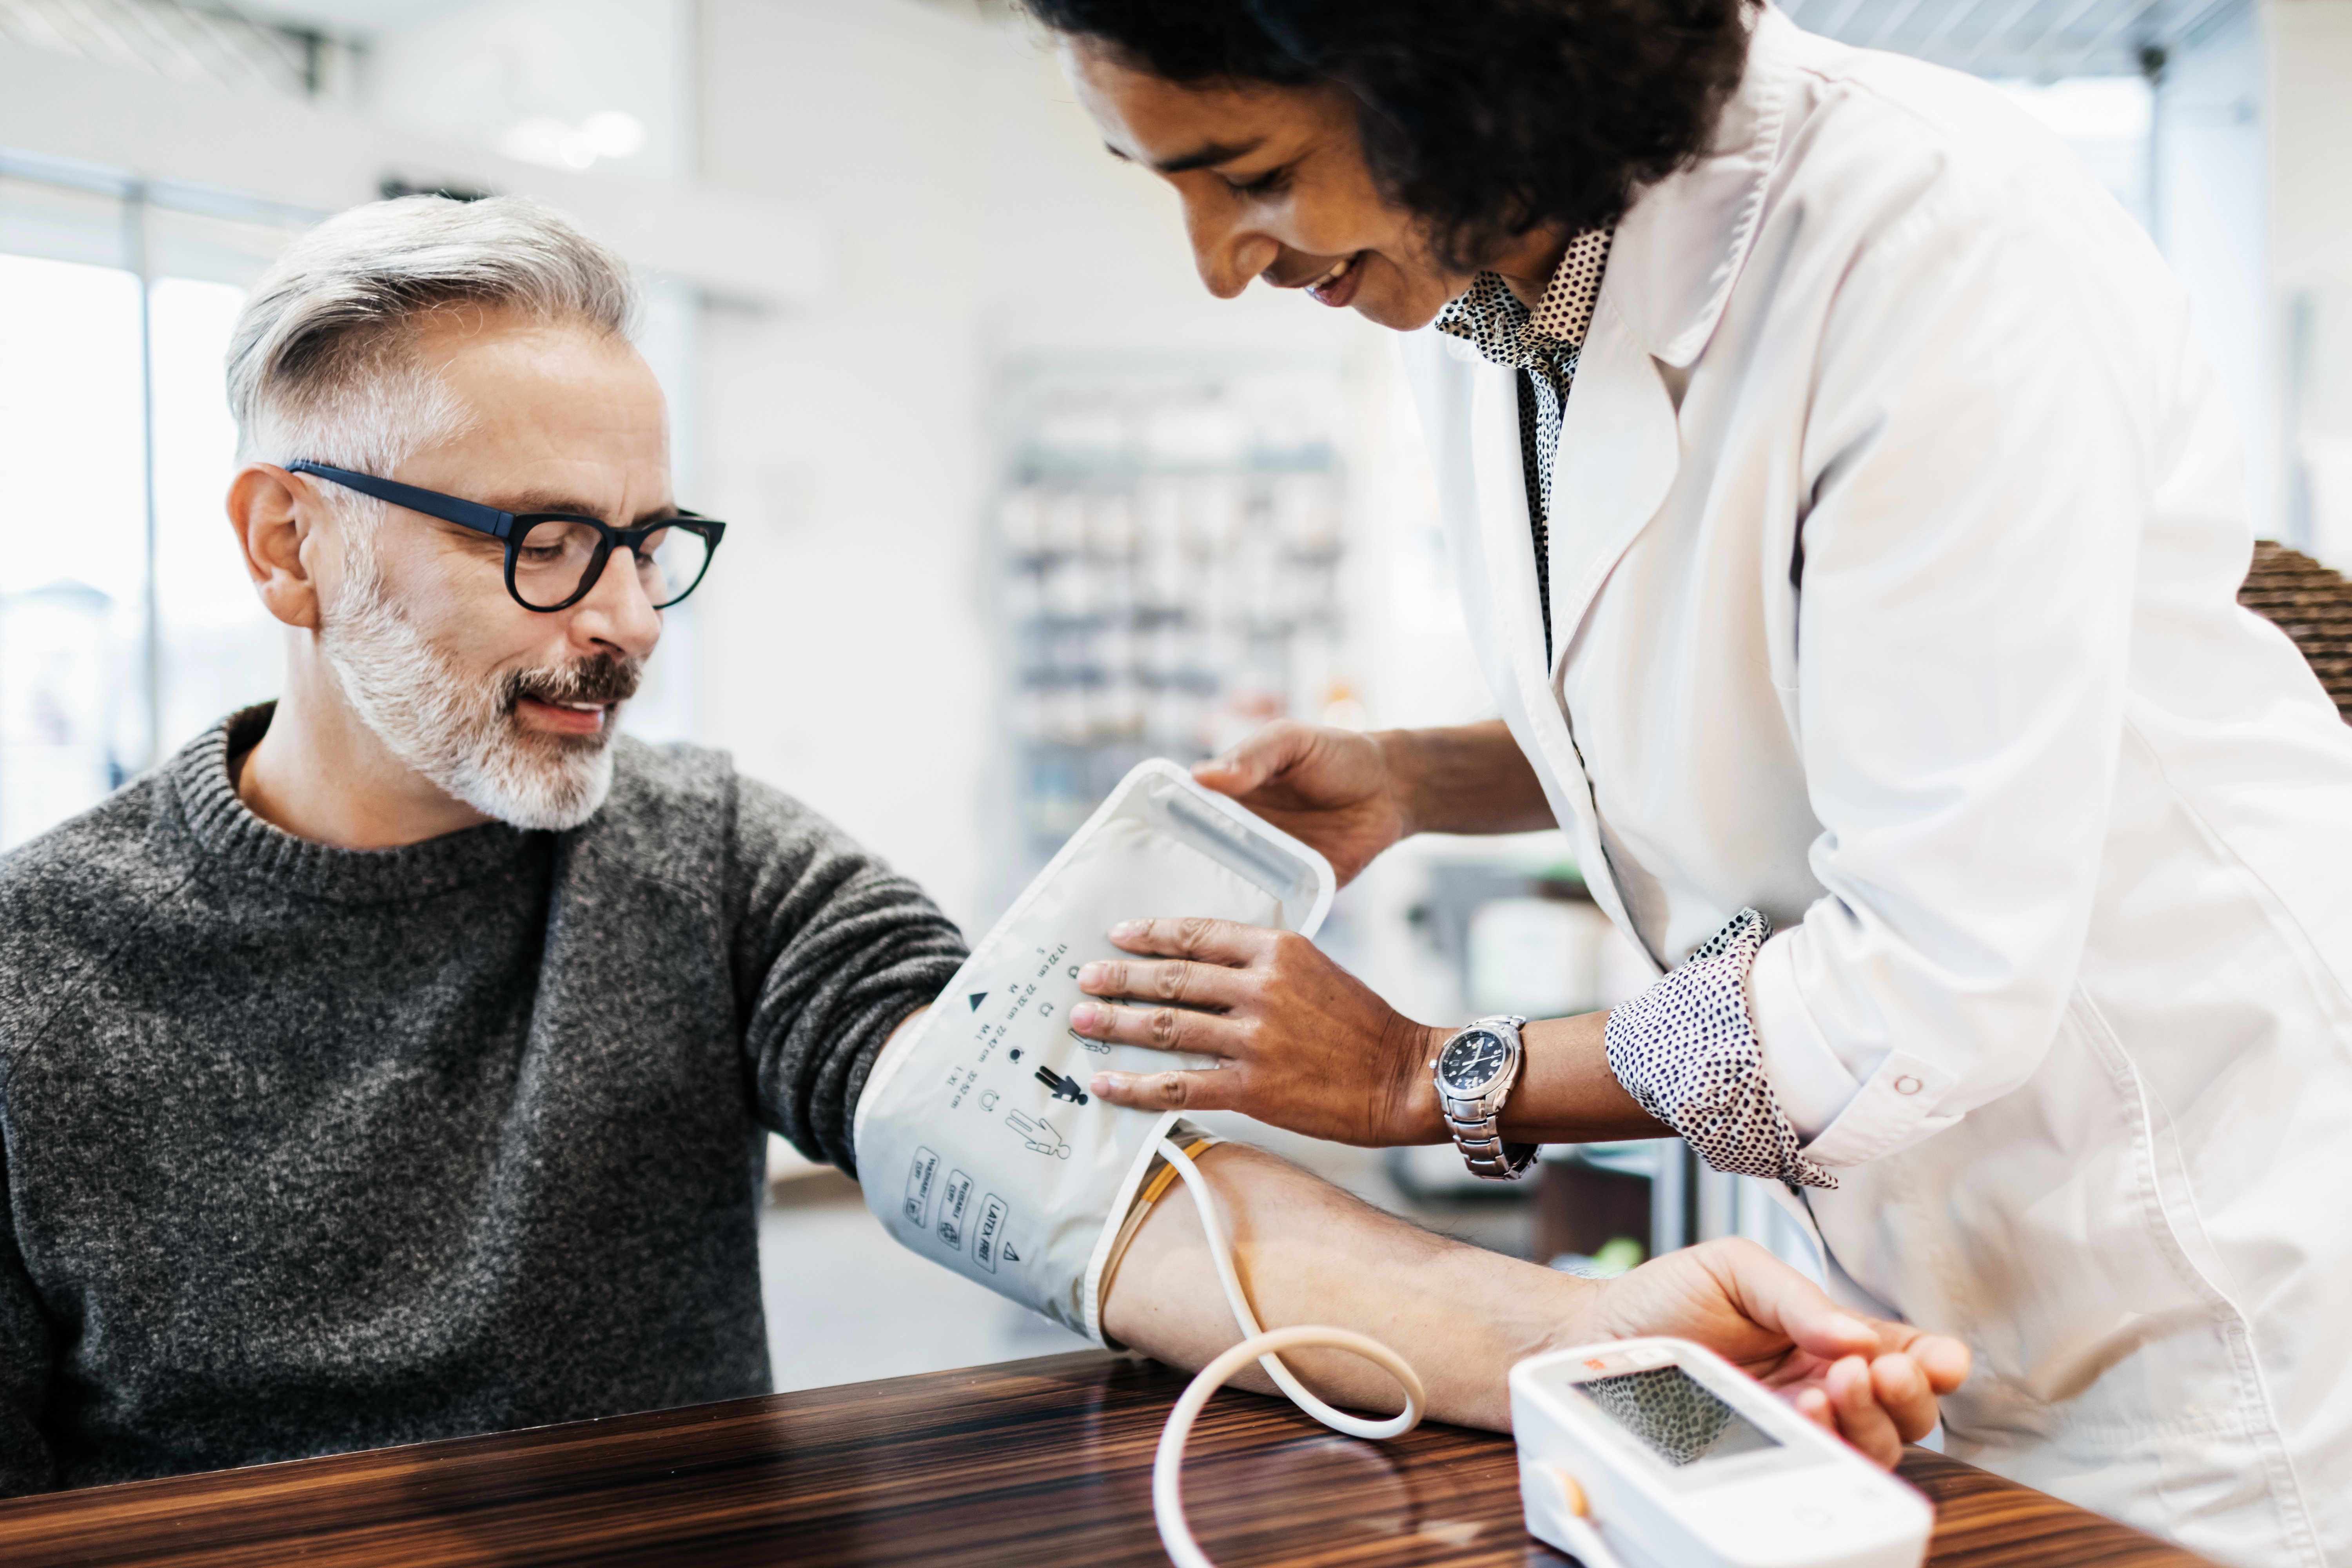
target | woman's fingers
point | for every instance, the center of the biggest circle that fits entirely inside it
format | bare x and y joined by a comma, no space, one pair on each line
1228,943
1205,1088
1261,756
1320,1052
1186,983
1161,1028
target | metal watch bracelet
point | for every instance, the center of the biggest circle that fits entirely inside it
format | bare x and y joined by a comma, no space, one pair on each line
1477,1124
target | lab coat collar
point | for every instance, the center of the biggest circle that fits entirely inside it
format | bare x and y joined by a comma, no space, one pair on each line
1680,247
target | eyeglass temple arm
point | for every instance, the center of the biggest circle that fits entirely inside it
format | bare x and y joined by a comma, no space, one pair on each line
471,514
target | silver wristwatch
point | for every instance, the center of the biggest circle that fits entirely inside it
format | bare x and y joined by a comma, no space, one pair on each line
1475,1069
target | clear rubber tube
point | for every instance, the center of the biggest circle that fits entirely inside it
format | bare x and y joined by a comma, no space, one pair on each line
1222,1250
1168,1463
1262,1347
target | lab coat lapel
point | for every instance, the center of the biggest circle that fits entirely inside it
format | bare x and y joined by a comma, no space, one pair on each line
1618,454
1619,451
1522,682
1506,527
1671,269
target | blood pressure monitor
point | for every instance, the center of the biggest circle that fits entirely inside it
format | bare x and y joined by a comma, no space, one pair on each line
1662,1455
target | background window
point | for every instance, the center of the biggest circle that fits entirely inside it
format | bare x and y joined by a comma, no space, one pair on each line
126,622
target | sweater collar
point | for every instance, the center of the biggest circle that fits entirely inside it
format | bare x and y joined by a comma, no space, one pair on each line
226,830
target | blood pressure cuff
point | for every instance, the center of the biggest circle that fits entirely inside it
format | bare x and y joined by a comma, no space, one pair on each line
978,1143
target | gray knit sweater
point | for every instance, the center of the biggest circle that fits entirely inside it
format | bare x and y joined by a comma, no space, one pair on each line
311,1150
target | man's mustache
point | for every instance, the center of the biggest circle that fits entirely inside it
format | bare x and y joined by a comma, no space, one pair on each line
607,678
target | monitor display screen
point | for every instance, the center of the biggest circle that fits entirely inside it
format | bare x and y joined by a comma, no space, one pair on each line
1675,1415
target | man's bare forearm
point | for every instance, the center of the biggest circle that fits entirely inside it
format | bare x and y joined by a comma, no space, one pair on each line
1472,778
1308,1252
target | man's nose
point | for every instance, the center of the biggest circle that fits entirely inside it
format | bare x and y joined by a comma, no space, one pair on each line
1227,253
617,616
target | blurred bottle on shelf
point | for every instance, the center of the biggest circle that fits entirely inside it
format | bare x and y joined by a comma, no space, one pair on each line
1169,543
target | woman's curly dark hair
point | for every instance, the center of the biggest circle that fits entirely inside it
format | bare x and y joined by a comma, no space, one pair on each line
1487,118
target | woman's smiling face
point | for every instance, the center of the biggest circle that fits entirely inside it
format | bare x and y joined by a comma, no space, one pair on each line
1273,184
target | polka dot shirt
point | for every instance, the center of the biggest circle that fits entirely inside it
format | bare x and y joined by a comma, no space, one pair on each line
1687,1054
1543,345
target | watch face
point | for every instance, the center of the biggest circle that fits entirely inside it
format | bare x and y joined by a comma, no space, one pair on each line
1472,1060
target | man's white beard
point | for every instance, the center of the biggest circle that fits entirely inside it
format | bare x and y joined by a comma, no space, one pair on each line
454,725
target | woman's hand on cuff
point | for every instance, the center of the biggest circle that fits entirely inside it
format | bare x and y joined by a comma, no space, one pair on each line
1300,1042
1333,789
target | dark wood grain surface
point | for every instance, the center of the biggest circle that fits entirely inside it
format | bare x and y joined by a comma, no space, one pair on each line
1032,1462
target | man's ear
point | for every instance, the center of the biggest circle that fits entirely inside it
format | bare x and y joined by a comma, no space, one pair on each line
274,516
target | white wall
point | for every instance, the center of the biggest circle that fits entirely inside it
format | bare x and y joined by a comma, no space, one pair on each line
2311,116
2311,177
974,217
2211,211
202,138
530,77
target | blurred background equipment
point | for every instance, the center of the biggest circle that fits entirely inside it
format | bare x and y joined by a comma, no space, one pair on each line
1012,501
1171,543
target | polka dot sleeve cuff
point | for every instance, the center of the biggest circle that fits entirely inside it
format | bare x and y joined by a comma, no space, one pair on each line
1687,1054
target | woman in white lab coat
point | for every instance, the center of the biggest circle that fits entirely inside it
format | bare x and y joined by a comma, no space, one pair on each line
1854,573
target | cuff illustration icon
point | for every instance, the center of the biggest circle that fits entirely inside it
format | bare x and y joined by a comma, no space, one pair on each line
1039,1134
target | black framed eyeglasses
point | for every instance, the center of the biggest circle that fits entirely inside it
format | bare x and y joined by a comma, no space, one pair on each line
553,559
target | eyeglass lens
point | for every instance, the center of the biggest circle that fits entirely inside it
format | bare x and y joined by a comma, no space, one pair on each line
554,557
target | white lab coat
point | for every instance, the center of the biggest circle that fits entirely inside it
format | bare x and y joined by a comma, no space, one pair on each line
2057,838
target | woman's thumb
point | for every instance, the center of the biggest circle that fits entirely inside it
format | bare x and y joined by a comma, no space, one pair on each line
1242,767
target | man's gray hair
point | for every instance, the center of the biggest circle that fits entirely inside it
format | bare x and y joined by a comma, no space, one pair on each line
319,367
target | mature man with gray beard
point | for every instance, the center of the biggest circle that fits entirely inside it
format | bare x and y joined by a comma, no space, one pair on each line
395,1061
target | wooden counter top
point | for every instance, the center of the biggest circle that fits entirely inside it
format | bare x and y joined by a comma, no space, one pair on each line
1033,1462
